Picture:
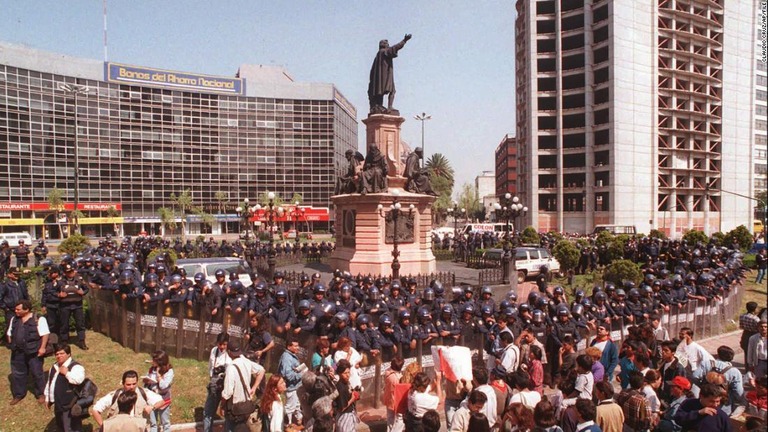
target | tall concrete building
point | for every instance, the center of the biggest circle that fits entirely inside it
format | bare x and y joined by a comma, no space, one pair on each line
761,108
506,166
635,113
135,135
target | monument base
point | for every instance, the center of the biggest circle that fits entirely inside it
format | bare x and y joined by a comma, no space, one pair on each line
361,234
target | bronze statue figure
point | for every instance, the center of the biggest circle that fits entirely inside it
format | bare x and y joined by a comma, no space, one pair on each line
382,79
417,177
373,179
347,183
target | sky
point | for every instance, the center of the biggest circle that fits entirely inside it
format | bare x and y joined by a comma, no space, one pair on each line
458,68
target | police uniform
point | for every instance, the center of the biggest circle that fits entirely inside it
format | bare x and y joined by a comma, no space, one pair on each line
71,304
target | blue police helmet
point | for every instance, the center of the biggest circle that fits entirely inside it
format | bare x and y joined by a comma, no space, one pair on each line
304,304
199,277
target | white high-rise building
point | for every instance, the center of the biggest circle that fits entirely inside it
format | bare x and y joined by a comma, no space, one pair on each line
761,105
635,113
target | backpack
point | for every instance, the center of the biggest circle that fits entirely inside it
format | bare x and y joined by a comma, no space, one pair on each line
113,409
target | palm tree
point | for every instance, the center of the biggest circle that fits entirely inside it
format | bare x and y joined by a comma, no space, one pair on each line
439,166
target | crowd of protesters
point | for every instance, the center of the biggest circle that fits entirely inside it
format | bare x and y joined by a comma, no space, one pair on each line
532,375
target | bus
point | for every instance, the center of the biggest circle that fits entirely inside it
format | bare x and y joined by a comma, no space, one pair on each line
616,229
486,227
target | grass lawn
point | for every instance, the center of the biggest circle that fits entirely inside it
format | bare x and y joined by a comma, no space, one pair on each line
105,363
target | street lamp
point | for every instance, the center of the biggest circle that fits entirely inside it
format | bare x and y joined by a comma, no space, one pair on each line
394,214
509,209
75,90
422,118
245,213
458,239
271,212
296,215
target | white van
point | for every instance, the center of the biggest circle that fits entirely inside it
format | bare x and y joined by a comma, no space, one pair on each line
13,238
486,227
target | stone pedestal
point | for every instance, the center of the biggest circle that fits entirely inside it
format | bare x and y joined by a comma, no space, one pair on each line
361,243
383,130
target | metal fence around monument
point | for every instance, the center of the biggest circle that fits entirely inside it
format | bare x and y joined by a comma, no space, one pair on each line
190,332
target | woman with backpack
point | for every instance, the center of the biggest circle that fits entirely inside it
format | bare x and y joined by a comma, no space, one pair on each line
159,379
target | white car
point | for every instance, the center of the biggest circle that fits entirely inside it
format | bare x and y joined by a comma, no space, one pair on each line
208,267
528,261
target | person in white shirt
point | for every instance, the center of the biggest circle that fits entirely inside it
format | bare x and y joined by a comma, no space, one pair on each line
146,400
476,402
420,400
217,364
64,374
345,351
525,394
510,354
757,351
27,337
480,383
585,381
234,392
692,356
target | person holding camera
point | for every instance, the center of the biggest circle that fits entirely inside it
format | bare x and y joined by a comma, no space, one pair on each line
217,366
345,403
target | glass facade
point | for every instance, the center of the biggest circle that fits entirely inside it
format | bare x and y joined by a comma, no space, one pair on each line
137,145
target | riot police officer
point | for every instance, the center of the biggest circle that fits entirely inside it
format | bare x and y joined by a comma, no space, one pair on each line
72,289
22,254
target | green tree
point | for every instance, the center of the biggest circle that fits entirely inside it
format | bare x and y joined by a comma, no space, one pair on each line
264,199
184,205
222,199
468,200
530,236
167,218
694,236
566,254
739,235
441,176
56,202
112,212
439,166
623,270
604,238
297,197
617,246
657,234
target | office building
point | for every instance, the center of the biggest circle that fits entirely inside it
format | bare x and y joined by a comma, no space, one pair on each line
635,113
506,166
141,134
761,109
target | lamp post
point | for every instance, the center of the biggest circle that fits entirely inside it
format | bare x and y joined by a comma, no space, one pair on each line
296,215
75,90
271,212
245,213
394,214
458,239
509,209
422,118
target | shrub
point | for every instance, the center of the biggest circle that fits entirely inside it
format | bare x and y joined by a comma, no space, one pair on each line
172,257
718,239
694,236
529,235
555,235
604,238
623,270
566,254
739,235
616,248
74,244
657,234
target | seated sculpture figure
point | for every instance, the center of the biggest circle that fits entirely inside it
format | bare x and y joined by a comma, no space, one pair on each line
373,178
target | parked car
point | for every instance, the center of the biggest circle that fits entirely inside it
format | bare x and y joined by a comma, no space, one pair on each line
528,261
208,267
13,238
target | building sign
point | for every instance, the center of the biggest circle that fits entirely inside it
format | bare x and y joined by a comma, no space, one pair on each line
44,206
290,214
115,72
